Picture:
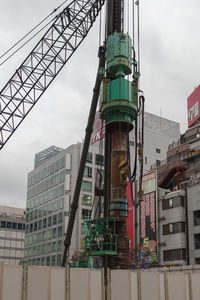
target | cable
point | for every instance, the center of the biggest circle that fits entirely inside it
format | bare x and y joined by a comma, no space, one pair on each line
27,34
26,42
138,33
142,99
100,19
133,176
133,4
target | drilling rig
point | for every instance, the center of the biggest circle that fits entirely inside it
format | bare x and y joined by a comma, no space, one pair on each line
119,110
107,237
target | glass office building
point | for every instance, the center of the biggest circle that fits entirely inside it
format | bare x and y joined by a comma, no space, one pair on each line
49,194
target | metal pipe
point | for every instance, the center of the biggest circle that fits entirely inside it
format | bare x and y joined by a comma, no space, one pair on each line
114,16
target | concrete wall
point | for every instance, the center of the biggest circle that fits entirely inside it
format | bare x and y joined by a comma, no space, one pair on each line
50,283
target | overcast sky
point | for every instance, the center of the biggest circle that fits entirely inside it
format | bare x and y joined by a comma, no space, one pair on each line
170,47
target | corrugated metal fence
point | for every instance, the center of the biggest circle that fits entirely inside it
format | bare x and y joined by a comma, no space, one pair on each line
53,283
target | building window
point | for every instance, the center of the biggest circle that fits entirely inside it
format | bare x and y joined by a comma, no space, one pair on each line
56,166
86,200
170,203
86,214
3,224
60,203
59,257
27,217
99,159
51,169
54,247
48,261
60,217
14,225
157,150
197,241
54,219
59,246
62,162
45,223
197,261
54,233
40,225
39,237
60,231
87,186
157,162
173,202
173,228
145,159
31,216
175,254
35,226
88,172
48,247
89,157
49,221
43,261
196,217
8,225
53,260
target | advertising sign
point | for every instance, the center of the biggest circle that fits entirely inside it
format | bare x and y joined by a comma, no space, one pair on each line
130,218
98,129
193,106
148,235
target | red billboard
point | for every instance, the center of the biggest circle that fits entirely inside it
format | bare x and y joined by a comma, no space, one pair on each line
130,218
193,106
98,129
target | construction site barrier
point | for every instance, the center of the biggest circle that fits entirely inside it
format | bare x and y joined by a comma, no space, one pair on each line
55,283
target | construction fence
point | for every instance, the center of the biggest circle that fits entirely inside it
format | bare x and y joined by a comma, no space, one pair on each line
54,283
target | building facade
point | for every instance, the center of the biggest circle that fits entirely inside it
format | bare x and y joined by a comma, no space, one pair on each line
159,133
178,201
12,230
49,195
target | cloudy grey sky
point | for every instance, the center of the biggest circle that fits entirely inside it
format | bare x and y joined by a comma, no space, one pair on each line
170,70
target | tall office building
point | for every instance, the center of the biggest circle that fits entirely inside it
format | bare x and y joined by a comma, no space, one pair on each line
12,228
51,187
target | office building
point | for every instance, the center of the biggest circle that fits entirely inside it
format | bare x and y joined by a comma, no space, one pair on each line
12,229
50,190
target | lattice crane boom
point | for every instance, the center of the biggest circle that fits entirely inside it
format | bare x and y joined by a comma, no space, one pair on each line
44,62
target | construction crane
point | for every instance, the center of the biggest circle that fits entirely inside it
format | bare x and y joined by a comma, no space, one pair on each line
106,237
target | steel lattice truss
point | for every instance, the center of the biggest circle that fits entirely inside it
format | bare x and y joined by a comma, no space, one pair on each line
45,61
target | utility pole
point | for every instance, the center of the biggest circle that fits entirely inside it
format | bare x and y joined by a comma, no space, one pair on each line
119,110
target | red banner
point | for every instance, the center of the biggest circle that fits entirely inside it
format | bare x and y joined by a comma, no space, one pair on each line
130,219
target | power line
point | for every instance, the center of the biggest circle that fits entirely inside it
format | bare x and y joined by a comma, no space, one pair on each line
27,34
